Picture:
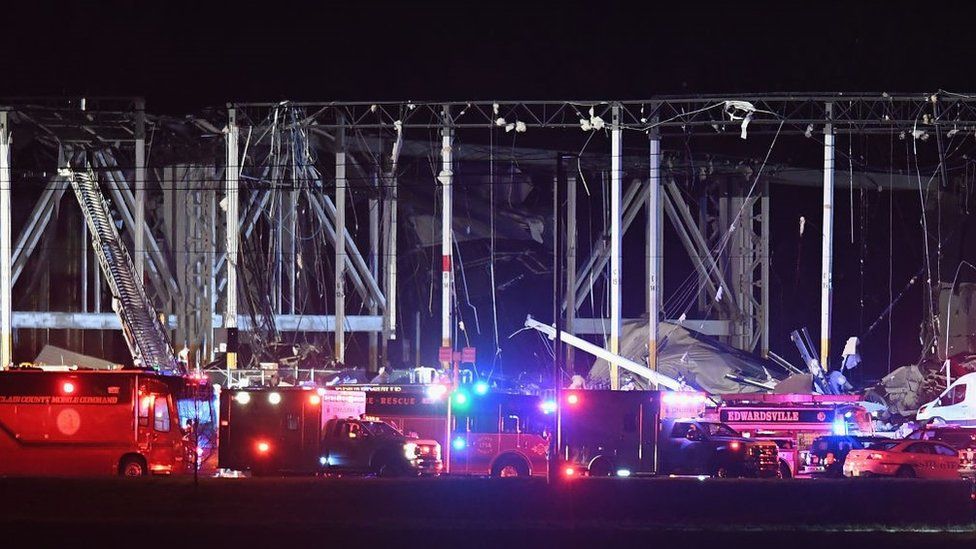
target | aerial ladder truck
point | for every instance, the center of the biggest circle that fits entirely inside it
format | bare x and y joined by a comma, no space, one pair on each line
144,332
131,422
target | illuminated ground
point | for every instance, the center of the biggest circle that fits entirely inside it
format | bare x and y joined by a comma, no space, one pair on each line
463,513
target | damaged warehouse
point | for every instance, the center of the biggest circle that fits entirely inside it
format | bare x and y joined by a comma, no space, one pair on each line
733,191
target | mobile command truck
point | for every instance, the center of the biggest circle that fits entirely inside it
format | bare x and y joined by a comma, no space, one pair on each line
85,422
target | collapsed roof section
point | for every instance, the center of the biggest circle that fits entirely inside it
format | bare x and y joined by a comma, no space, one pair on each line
698,360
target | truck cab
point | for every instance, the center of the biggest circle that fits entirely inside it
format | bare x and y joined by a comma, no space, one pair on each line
698,447
956,405
361,446
87,422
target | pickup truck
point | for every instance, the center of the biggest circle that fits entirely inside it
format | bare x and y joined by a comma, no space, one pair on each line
361,446
632,433
699,447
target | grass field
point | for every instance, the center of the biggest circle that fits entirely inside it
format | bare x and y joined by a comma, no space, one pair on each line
464,513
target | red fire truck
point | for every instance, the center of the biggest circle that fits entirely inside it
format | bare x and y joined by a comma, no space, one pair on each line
498,434
95,422
793,421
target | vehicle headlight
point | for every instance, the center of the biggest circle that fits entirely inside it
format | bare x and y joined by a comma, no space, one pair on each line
410,450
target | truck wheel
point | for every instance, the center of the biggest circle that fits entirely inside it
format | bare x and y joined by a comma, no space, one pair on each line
784,470
388,467
387,470
601,467
905,472
132,466
721,472
510,467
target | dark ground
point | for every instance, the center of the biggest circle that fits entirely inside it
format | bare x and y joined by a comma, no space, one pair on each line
466,513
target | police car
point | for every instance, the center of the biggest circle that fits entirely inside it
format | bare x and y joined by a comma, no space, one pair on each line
904,458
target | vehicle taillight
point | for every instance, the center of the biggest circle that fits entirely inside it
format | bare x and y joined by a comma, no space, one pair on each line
314,400
569,471
263,447
572,398
734,445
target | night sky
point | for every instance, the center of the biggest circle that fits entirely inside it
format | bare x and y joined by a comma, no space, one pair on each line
184,57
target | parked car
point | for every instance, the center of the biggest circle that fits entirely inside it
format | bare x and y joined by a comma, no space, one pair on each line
963,439
828,453
904,458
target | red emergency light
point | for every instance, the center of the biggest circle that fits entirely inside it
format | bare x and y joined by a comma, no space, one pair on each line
263,447
314,400
68,388
569,471
573,398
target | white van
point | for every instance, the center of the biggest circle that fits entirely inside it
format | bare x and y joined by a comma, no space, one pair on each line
956,405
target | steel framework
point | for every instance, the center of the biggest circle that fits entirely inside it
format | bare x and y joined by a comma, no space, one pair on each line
191,275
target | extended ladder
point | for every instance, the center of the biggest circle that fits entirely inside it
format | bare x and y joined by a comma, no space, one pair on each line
143,331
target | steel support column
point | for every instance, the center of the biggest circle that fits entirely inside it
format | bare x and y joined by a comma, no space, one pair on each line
390,311
570,289
6,253
231,180
374,268
446,177
616,182
654,241
828,240
764,270
340,250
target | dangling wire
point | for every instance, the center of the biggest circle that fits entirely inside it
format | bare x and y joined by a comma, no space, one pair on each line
491,246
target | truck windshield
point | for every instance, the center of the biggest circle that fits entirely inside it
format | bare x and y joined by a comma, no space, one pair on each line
380,429
721,430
